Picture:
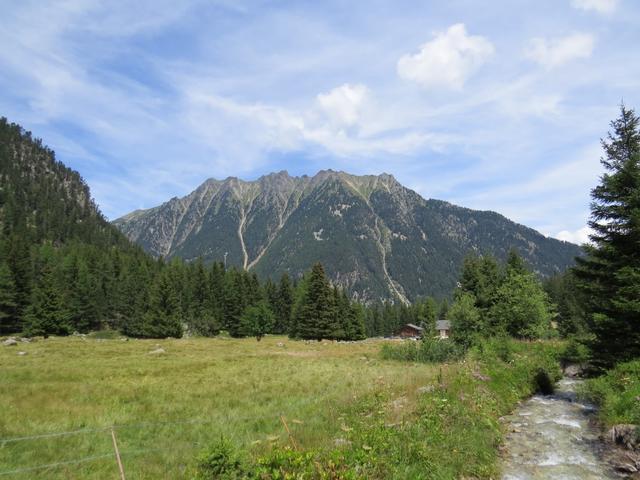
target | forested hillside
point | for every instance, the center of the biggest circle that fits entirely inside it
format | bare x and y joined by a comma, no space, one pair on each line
64,268
376,238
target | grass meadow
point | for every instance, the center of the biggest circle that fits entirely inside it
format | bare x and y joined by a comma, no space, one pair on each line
168,407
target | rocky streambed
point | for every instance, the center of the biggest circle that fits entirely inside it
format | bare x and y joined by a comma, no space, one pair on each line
554,437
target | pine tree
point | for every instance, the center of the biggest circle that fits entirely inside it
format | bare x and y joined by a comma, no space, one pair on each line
46,314
315,314
284,305
481,277
609,275
234,302
83,304
515,263
354,325
8,305
162,319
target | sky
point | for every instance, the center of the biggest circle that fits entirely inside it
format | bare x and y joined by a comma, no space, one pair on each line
490,105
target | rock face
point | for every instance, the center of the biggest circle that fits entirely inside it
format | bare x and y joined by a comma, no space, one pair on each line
625,435
374,237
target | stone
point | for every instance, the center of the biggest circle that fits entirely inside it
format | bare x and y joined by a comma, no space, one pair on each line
22,353
341,442
25,340
158,351
625,435
426,389
481,377
573,370
626,468
10,342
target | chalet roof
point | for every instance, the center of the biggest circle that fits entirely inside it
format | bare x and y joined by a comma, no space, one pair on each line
411,325
443,325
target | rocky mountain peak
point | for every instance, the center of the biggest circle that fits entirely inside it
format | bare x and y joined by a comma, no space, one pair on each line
375,237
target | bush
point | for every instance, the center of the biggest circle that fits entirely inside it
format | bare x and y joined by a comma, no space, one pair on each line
575,352
220,462
427,350
500,347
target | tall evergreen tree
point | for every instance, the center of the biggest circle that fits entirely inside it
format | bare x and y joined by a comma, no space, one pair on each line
46,313
315,313
163,317
8,306
83,304
610,273
284,304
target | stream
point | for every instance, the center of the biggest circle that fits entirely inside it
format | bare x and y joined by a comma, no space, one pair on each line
551,437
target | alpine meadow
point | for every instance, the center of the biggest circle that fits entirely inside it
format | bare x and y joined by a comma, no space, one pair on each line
300,241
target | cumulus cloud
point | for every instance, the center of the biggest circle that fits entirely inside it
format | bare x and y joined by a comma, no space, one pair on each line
600,6
447,60
555,52
343,105
579,236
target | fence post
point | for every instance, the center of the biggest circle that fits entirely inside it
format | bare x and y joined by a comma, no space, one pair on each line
115,447
286,427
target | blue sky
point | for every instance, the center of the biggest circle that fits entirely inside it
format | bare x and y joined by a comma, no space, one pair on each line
491,105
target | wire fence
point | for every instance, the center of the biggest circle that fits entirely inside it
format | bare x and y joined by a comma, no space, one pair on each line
116,454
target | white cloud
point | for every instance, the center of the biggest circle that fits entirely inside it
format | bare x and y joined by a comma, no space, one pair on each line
343,104
555,52
579,236
600,6
447,60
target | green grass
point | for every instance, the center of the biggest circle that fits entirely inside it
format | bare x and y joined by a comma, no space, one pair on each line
169,408
239,387
617,393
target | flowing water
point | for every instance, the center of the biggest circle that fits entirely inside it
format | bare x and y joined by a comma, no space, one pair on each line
551,437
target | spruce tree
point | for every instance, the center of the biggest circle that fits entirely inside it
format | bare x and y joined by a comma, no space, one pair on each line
315,314
163,318
46,313
83,304
8,305
609,274
284,305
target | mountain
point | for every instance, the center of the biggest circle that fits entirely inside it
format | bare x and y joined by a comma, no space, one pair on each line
376,238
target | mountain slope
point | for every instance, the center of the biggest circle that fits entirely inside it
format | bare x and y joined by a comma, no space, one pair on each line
374,236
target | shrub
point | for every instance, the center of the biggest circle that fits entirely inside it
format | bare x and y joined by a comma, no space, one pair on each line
500,347
427,350
575,352
220,462
617,393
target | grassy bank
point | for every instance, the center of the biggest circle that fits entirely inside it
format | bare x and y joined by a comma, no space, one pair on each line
444,430
350,413
617,393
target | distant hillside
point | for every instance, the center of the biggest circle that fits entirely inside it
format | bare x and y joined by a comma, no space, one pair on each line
63,266
375,237
43,200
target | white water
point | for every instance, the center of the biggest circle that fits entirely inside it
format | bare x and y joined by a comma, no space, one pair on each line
551,437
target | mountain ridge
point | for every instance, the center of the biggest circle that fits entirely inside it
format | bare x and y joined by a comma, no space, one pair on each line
370,231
